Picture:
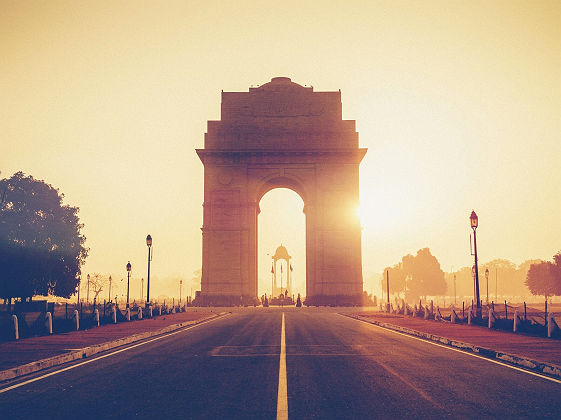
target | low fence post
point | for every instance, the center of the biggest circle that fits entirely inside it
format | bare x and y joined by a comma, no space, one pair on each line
139,313
463,309
431,307
437,314
426,314
96,316
49,322
550,325
405,310
525,318
506,311
114,314
76,319
516,321
150,311
453,315
16,327
469,316
491,318
128,315
160,310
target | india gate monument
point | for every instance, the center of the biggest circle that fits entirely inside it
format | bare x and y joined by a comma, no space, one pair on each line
281,135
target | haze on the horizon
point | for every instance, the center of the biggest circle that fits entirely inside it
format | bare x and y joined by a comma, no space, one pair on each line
459,104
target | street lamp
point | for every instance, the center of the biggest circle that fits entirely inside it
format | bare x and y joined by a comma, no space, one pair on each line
149,244
474,223
454,289
79,285
129,268
110,280
487,278
88,292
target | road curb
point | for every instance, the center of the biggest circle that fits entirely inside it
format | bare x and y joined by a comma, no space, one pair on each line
85,352
526,363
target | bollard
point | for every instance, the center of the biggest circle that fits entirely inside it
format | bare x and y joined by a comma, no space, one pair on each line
49,322
491,318
469,316
114,314
150,311
139,312
516,321
96,316
426,308
76,319
128,314
159,310
437,314
16,328
405,313
453,316
550,325
431,306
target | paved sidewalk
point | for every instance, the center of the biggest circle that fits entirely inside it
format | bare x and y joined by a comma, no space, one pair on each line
523,350
14,355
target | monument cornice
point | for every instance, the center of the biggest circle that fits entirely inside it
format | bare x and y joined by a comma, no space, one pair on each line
261,156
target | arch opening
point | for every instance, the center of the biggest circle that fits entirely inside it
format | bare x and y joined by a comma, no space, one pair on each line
281,221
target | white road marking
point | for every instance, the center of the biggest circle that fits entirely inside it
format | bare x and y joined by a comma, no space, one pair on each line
460,351
282,398
103,357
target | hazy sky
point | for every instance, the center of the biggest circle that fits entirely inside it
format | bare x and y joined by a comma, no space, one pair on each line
458,102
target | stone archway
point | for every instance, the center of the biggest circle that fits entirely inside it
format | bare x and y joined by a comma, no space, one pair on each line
281,135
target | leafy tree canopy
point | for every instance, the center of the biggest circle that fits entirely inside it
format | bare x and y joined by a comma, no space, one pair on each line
41,246
426,276
544,278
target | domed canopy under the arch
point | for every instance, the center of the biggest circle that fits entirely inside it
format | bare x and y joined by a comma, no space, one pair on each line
281,253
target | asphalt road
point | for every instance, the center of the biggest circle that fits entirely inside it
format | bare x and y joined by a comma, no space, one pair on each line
336,368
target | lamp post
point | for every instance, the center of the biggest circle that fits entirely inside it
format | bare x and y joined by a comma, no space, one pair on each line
474,223
79,285
180,287
110,280
454,289
149,244
129,268
487,278
473,280
88,292
388,289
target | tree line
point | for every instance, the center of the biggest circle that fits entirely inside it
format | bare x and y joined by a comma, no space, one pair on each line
420,275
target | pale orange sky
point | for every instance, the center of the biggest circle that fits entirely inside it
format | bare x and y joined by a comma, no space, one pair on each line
459,104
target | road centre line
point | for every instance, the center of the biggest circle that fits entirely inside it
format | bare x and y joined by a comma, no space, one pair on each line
107,355
458,350
282,397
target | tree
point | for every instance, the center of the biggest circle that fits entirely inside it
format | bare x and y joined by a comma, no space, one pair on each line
425,277
41,246
544,277
98,284
541,279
